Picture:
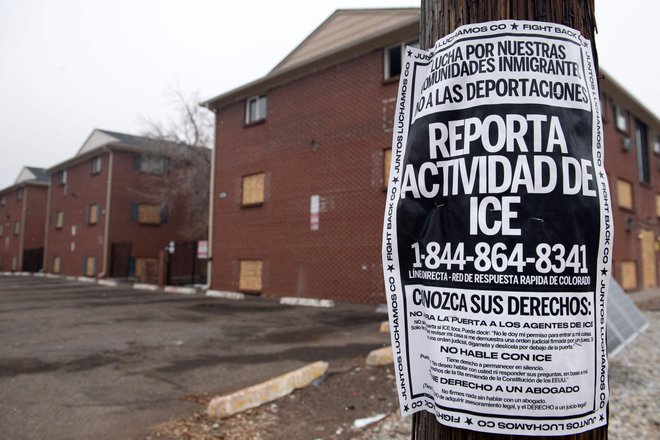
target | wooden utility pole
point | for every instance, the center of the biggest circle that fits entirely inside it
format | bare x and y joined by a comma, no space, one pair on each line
441,17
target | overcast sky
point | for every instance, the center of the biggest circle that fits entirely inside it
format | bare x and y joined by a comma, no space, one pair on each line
69,66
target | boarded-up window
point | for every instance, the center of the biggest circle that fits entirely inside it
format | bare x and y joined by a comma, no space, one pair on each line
90,266
250,275
14,263
92,214
17,227
57,264
148,214
146,269
657,205
624,194
387,159
253,189
629,275
59,219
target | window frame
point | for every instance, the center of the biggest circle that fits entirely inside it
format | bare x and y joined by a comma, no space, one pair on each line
17,227
621,118
387,61
642,144
97,165
20,193
62,177
261,109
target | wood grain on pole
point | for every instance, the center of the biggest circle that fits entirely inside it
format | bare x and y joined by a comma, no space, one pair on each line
441,17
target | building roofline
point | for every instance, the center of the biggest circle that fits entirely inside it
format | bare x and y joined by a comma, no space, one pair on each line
23,184
386,36
618,91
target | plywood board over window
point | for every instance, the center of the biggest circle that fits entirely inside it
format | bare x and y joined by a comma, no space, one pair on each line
90,266
629,275
624,192
149,214
387,159
253,189
250,276
57,264
146,269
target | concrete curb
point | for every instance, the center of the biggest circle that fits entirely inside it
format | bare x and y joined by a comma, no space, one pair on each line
143,286
308,302
108,283
86,279
251,397
225,294
381,356
184,290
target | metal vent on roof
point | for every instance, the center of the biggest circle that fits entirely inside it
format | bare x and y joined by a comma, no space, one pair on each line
624,320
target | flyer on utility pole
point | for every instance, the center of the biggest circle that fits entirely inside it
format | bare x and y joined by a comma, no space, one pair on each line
497,233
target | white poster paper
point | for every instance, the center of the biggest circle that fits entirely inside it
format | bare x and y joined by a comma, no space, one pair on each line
498,231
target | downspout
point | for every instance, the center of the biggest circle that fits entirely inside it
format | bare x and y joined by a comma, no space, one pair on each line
21,237
106,225
209,260
45,262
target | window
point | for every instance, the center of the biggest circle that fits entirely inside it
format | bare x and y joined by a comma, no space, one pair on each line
150,163
250,275
89,266
19,194
255,109
629,275
97,163
56,265
620,118
253,190
656,144
146,214
394,58
2,201
387,160
643,166
624,192
2,230
59,219
17,227
92,214
61,177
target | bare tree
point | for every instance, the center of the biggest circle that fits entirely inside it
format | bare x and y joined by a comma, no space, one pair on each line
188,137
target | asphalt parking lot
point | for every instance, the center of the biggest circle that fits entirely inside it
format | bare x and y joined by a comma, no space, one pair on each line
83,361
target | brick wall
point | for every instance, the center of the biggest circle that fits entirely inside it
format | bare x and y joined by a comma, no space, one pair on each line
11,210
324,135
76,239
621,163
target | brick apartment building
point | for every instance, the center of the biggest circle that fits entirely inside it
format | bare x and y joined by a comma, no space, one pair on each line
632,161
302,156
108,213
22,220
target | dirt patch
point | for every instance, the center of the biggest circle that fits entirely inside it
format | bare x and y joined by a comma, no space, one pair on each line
327,409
